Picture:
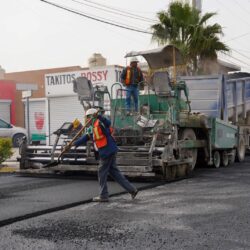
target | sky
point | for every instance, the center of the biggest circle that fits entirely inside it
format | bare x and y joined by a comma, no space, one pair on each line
35,35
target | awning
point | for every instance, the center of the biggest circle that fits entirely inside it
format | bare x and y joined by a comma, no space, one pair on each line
160,57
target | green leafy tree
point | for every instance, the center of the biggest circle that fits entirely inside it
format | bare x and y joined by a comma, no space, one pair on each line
187,29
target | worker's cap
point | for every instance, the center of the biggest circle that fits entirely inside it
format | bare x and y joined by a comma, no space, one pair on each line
90,112
134,59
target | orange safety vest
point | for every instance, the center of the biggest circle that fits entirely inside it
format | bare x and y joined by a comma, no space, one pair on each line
129,73
100,138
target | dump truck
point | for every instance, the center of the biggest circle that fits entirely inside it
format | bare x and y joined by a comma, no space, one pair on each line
226,97
164,139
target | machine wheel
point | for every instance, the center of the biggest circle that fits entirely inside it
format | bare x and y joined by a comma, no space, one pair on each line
189,134
216,159
22,153
17,140
241,150
181,171
170,173
173,172
224,159
232,156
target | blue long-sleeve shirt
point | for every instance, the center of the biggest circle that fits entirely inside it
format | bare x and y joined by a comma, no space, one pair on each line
110,148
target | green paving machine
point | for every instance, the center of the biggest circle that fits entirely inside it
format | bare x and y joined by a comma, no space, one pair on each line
164,139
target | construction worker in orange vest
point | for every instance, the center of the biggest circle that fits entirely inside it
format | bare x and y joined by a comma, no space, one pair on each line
102,136
131,76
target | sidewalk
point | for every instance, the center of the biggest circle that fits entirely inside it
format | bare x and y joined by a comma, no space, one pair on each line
11,165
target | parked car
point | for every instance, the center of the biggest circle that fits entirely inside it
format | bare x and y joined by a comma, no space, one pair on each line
9,130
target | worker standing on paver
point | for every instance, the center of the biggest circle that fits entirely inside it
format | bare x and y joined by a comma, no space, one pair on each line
131,76
107,148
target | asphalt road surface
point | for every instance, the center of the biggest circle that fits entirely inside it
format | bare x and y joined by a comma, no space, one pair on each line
209,211
22,197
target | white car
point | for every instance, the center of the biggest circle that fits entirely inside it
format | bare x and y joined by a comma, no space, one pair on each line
9,130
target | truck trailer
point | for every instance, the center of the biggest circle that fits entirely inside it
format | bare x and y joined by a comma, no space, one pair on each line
225,98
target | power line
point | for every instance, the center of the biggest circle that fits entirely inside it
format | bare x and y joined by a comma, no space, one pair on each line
237,37
243,50
119,10
109,20
237,59
244,9
233,12
247,57
123,26
97,19
109,11
241,65
113,12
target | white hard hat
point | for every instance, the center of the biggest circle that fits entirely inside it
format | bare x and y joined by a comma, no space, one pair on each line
133,59
91,111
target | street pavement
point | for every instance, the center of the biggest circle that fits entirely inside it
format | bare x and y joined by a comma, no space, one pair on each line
208,211
24,196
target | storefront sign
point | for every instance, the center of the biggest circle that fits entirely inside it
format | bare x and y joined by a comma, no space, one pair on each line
26,93
60,84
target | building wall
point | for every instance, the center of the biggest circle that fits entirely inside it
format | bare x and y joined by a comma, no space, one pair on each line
8,92
39,77
35,77
62,102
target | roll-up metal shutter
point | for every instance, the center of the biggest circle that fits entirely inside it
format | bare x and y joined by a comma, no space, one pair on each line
37,119
63,109
5,110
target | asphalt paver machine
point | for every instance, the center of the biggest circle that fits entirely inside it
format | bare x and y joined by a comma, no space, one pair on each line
164,139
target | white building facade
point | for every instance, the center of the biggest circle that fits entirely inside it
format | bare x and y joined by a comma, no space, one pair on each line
61,104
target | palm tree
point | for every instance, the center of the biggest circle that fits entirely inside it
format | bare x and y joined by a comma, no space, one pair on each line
185,27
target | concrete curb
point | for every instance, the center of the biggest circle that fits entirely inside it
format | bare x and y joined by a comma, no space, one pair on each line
9,168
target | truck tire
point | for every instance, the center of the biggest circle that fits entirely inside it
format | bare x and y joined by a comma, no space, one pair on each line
232,156
224,158
241,150
189,134
216,159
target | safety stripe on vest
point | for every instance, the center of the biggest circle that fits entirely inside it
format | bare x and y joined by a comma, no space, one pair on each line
97,135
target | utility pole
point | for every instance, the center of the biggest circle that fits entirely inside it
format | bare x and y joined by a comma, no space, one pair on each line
197,4
26,94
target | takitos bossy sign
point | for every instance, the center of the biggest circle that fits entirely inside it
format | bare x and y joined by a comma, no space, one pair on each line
60,84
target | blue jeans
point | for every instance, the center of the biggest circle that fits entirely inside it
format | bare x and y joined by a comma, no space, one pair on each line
108,166
132,90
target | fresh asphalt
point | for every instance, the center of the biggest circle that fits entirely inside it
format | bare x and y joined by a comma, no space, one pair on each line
209,211
26,197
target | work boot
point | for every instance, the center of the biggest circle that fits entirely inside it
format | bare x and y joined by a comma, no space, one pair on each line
100,199
133,195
